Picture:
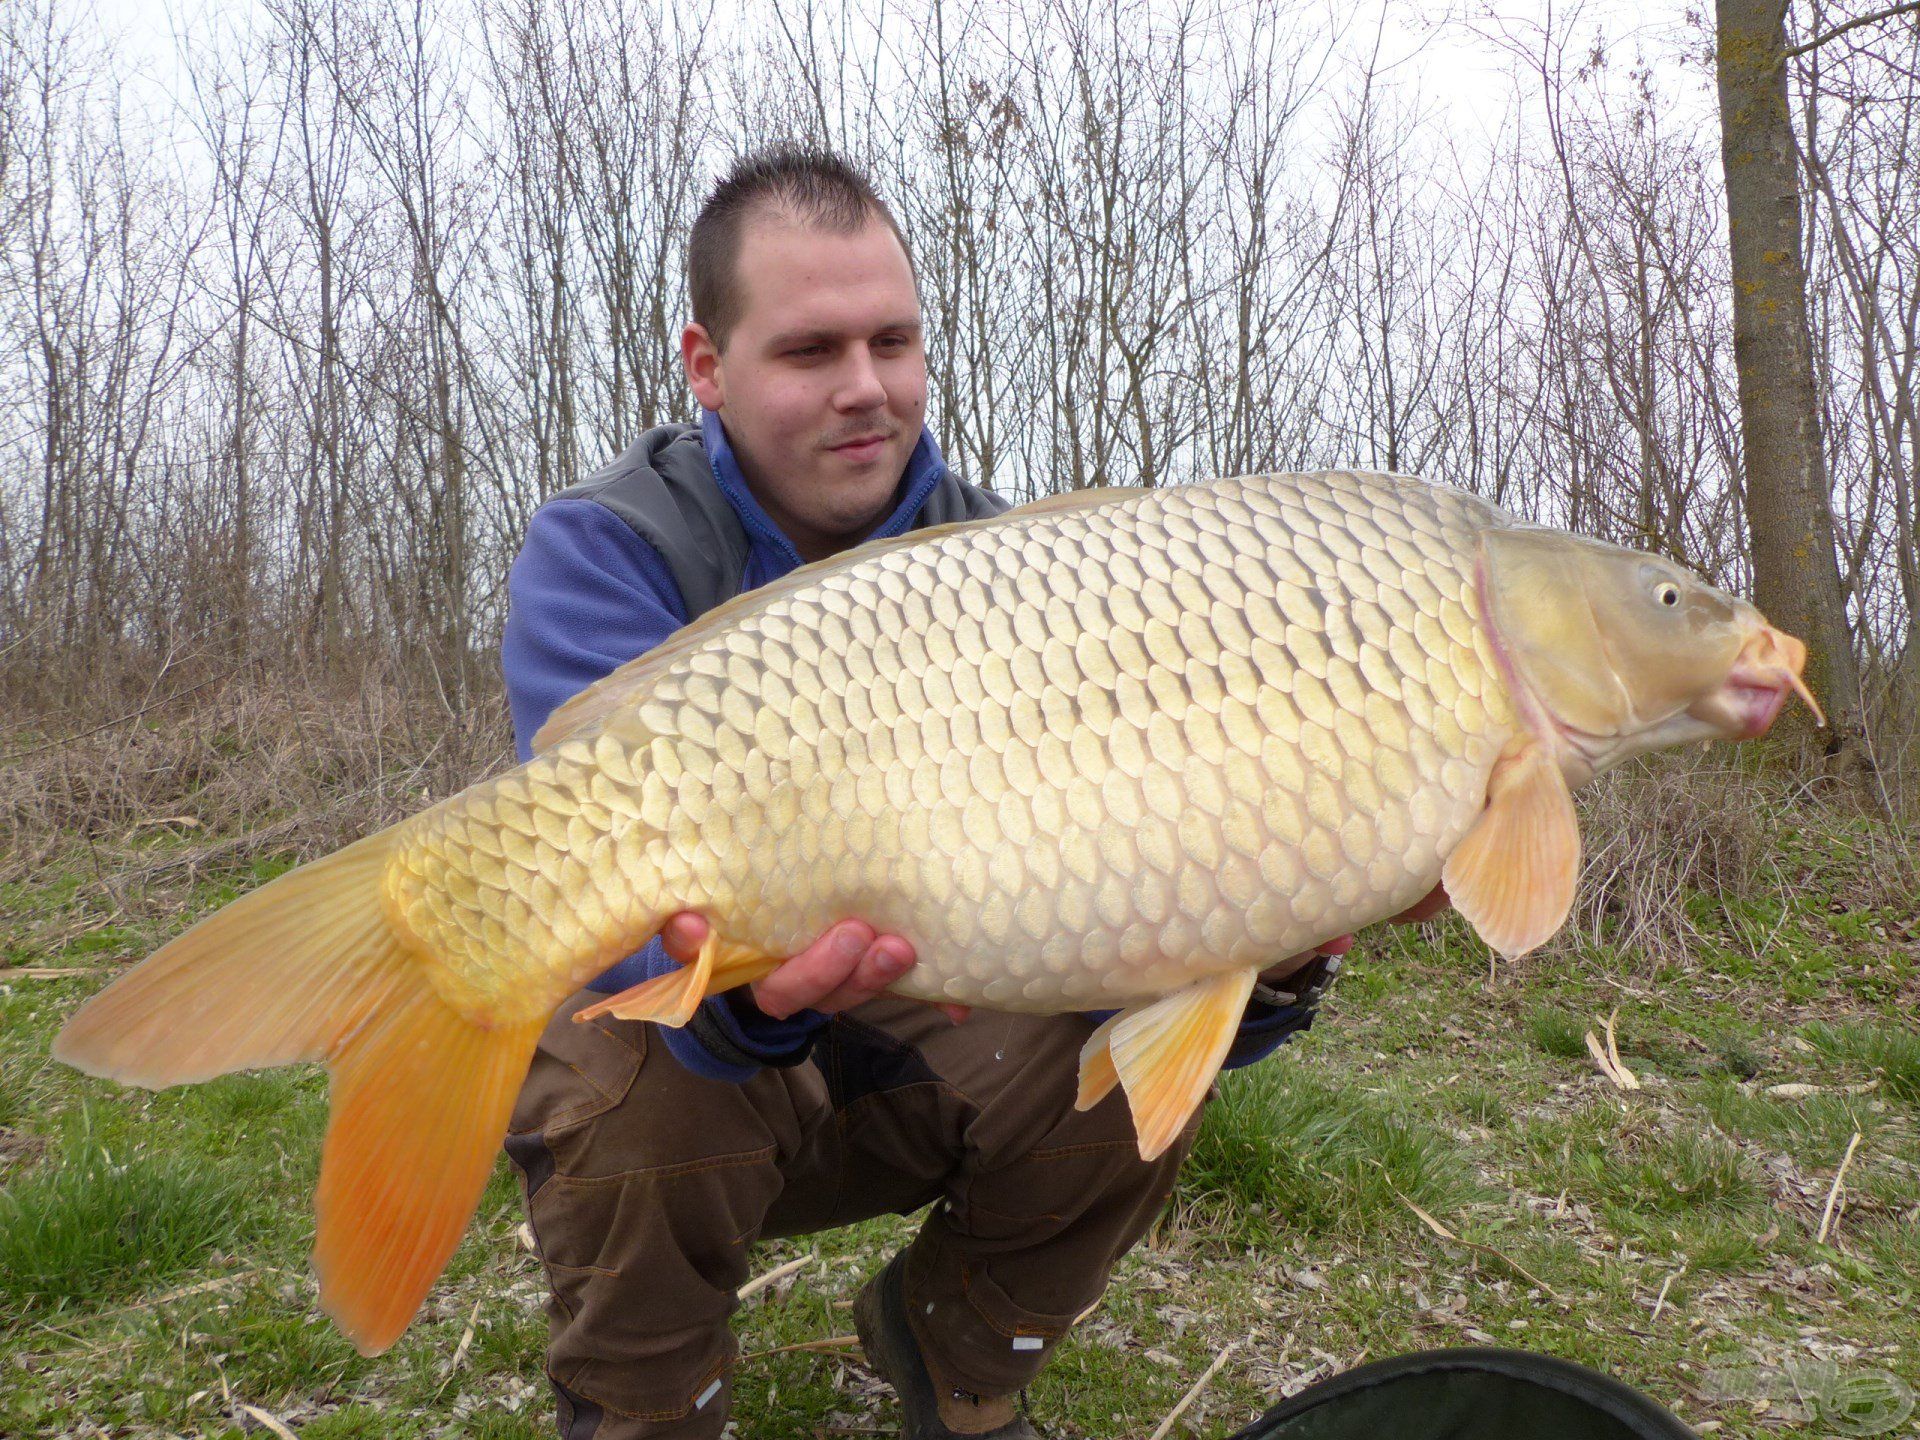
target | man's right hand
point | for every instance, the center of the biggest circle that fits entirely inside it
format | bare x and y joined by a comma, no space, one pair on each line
846,966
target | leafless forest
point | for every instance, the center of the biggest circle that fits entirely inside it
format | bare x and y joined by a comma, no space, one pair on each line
284,368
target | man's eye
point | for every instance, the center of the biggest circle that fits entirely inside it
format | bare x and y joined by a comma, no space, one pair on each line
891,342
807,352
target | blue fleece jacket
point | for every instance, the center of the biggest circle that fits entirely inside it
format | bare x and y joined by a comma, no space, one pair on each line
587,594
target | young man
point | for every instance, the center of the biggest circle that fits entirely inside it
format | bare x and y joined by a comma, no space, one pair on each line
652,1159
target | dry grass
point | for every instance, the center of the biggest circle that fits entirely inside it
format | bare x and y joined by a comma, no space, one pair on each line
1702,822
265,764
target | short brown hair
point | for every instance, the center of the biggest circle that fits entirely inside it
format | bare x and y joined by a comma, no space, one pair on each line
815,187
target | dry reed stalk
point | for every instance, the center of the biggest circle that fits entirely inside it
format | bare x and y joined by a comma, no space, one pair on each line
1833,1195
772,1277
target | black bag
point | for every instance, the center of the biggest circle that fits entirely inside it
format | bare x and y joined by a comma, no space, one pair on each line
1473,1394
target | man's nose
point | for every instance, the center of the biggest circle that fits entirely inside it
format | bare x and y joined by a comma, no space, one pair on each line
860,387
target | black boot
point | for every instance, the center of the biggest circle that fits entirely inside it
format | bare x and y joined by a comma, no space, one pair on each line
934,1408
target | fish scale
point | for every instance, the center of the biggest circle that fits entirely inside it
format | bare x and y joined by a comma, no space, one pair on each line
1077,761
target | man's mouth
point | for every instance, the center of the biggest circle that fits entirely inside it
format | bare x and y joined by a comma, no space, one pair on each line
864,447
1765,673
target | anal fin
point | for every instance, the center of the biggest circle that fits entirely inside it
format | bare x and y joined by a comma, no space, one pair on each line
672,998
1097,1075
1165,1055
1513,875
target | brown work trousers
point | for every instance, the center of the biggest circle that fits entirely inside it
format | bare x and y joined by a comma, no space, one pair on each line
646,1185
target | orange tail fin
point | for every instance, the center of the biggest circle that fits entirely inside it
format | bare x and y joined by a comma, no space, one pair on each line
309,968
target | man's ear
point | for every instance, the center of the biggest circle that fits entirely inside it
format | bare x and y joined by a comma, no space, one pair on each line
700,358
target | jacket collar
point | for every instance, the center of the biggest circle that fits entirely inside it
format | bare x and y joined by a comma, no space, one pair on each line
926,467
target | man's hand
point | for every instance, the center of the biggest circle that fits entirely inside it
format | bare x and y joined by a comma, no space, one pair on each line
847,966
1426,908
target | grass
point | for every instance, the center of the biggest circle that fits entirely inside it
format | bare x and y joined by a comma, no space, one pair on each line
88,1227
1284,1147
1891,1053
1555,1032
1438,1162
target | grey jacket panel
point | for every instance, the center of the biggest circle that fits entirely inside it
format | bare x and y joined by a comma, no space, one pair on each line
663,488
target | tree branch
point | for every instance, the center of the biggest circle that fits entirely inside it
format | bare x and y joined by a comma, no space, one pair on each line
1834,34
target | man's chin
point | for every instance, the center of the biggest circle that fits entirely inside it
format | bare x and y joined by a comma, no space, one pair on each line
851,505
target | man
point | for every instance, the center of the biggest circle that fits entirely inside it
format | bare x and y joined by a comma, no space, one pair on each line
652,1159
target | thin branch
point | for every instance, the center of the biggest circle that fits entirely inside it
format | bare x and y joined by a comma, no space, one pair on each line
1795,51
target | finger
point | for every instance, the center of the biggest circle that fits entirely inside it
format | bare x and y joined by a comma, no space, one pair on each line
955,1013
810,977
885,961
1429,905
682,935
1338,945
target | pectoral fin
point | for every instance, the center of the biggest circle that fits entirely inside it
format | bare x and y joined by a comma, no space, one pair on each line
672,998
1513,875
1165,1054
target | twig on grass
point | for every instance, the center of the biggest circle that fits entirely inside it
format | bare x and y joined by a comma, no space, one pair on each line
1793,1090
1193,1392
1607,1056
118,720
1445,1234
271,1422
199,1288
1660,1301
833,1344
772,1277
1833,1195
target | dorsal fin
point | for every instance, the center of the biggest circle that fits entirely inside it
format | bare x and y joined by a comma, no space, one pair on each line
1085,499
615,689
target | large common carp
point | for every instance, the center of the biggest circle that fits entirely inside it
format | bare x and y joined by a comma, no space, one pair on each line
1118,749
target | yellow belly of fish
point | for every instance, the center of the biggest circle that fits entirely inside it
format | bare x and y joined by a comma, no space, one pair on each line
1075,763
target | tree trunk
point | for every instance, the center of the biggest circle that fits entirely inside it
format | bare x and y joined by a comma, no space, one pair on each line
1796,577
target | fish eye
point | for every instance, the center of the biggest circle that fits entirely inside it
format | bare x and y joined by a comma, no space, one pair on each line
1667,593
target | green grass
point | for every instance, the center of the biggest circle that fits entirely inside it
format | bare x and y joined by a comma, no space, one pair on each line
1555,1032
1890,1052
1284,1147
91,1225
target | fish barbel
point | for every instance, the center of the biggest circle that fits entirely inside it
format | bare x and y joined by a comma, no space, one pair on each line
1116,749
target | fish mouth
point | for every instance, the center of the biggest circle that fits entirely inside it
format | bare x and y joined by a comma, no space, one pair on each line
1766,671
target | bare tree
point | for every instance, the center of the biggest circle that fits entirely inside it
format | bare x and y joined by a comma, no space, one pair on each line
1789,516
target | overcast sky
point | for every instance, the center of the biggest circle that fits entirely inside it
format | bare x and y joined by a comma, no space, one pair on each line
1450,53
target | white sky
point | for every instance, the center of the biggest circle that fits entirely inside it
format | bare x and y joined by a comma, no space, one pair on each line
1447,52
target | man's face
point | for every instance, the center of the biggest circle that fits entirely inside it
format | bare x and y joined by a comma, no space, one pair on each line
823,384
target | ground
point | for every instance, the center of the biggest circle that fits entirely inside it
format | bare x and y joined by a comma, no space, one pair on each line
1440,1162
